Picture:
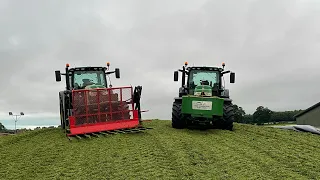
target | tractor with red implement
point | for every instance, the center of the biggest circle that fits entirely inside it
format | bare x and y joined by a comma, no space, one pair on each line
90,106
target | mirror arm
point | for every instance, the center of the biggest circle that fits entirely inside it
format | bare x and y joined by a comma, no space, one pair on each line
110,72
225,72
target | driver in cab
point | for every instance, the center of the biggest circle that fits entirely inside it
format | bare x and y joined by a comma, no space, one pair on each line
86,82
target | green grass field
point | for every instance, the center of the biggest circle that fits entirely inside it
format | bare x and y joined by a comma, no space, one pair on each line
249,152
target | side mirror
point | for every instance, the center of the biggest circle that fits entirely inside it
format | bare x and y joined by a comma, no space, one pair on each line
176,75
232,77
117,71
58,76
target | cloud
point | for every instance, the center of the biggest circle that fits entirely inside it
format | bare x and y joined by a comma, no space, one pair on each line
271,45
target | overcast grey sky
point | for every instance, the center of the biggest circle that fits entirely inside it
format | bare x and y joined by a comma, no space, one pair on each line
272,45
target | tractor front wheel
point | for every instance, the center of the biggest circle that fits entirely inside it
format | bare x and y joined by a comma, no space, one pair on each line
177,121
228,116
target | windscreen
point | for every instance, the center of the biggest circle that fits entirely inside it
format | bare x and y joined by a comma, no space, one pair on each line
198,77
81,79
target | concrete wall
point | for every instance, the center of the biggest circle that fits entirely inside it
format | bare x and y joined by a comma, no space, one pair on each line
310,118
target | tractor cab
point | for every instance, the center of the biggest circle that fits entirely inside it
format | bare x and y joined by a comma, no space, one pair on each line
87,77
82,79
202,81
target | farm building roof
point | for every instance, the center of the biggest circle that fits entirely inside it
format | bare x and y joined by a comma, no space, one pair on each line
307,110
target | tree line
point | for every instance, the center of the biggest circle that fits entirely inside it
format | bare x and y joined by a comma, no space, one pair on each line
263,115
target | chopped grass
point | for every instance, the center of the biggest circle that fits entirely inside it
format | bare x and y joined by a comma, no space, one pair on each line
249,152
281,124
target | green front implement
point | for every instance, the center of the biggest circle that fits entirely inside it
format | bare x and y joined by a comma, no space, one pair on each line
202,106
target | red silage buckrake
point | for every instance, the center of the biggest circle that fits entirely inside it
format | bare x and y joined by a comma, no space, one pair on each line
101,110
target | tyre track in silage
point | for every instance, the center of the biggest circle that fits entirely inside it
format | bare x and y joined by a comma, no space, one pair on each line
234,149
25,155
289,154
269,156
194,151
151,159
214,158
270,133
294,144
253,150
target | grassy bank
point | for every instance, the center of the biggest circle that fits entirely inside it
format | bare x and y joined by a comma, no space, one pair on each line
249,152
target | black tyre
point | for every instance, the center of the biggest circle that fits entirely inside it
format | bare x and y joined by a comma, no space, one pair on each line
62,115
177,121
228,116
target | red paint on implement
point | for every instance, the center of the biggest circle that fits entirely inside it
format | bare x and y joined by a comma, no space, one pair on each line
96,110
98,127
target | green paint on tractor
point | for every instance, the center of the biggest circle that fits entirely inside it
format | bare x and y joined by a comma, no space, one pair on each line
203,98
204,90
202,106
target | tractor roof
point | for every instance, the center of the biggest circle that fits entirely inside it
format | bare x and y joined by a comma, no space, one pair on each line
88,68
204,68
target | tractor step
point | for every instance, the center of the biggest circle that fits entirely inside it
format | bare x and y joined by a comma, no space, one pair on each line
106,133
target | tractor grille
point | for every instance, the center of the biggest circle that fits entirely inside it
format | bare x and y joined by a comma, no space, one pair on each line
91,106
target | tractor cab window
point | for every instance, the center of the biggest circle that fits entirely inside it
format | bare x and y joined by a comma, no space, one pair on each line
81,79
201,77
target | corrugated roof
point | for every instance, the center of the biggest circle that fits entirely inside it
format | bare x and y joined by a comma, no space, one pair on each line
307,110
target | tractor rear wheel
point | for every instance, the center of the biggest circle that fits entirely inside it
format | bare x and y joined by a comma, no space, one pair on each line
228,116
177,121
62,114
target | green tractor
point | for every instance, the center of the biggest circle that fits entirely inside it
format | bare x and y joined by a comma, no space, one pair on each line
203,100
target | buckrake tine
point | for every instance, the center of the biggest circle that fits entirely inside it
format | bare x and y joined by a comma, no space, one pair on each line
128,130
109,132
120,131
136,130
104,133
95,135
88,136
